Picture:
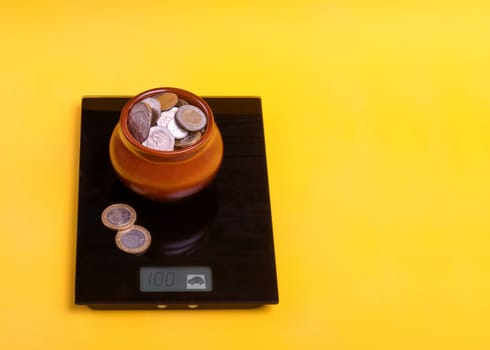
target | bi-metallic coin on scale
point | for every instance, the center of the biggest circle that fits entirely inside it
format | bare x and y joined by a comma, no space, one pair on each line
118,216
135,240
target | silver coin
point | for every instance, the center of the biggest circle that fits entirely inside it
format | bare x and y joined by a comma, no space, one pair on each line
155,106
191,118
167,116
140,106
139,120
139,126
176,130
118,216
160,138
134,240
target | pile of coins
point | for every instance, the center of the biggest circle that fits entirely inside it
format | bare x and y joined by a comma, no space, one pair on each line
130,238
166,123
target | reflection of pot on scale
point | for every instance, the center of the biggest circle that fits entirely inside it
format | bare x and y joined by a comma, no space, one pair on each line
187,223
179,227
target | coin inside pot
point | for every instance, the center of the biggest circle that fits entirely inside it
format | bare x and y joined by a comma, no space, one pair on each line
161,121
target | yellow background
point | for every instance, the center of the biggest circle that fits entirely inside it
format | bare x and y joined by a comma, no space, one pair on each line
377,129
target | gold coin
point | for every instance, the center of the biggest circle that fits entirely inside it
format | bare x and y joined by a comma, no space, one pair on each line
135,240
167,100
191,139
191,118
118,216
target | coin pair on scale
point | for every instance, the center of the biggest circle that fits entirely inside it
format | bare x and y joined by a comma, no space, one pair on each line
130,238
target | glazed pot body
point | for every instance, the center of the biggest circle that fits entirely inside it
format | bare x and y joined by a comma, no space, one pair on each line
166,175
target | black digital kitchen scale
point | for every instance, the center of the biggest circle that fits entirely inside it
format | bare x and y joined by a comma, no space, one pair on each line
212,250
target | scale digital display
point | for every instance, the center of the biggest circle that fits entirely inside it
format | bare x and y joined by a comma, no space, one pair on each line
176,279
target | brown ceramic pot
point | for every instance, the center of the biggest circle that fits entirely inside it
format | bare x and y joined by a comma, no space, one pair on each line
166,175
